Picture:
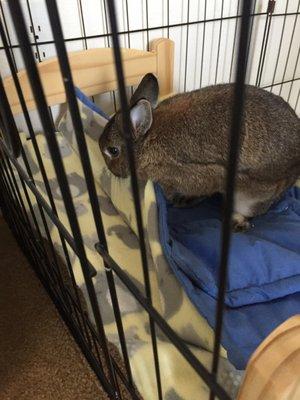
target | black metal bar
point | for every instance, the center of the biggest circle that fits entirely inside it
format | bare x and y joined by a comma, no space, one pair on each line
280,43
41,200
128,36
8,191
168,18
290,47
33,31
271,6
36,225
20,208
147,24
18,19
107,36
20,228
10,130
33,243
81,320
297,101
7,212
11,195
7,34
294,74
154,28
16,199
264,46
77,334
82,23
127,21
28,241
134,182
237,117
15,190
186,44
203,42
164,326
251,31
27,118
80,10
280,83
96,345
234,41
219,42
12,66
9,56
37,262
48,235
117,368
130,390
62,230
35,37
80,315
14,223
21,236
85,161
54,268
34,141
57,273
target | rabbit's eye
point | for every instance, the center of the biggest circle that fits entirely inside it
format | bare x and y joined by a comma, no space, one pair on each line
112,152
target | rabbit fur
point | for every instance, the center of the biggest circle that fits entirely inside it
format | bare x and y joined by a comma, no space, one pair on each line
183,144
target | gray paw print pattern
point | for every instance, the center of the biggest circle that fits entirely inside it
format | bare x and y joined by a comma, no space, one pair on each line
105,181
90,240
89,121
189,333
76,182
133,342
230,378
127,302
172,395
106,206
168,285
124,234
170,292
64,148
32,162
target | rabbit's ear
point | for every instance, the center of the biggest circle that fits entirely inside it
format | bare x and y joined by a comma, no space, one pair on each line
141,118
148,89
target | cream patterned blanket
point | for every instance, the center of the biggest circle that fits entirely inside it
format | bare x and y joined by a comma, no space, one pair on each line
179,381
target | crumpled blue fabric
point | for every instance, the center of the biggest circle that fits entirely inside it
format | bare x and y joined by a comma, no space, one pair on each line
263,284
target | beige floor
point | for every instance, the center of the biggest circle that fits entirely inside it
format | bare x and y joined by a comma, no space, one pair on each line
38,357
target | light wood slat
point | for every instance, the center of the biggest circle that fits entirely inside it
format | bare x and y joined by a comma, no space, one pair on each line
94,72
273,372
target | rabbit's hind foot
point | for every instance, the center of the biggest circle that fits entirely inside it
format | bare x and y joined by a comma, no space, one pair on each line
240,223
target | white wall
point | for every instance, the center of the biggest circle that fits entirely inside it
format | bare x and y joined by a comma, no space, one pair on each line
88,18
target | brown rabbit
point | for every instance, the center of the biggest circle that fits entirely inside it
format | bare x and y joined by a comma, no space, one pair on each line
183,144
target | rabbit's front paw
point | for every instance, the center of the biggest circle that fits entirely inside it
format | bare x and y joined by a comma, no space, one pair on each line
240,223
181,201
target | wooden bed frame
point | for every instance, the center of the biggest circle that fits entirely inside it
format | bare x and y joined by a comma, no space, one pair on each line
94,72
273,372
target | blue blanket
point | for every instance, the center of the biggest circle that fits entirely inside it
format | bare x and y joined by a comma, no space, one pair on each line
263,287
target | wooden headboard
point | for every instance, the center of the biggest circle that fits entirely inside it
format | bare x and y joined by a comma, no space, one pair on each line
94,72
